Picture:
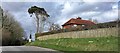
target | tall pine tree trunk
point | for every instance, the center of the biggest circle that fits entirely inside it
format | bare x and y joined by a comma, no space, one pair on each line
41,23
37,20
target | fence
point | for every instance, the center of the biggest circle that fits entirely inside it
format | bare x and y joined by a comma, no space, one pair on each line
102,32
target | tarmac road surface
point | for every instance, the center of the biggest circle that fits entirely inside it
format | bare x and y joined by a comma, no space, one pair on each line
26,49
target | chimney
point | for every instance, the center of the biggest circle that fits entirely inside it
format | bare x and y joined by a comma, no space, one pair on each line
79,18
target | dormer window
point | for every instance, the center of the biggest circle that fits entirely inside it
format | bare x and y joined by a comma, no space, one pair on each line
75,25
83,25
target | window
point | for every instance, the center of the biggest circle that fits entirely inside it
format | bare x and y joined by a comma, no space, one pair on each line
83,25
75,25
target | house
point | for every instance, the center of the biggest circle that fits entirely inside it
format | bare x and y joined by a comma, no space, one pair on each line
78,22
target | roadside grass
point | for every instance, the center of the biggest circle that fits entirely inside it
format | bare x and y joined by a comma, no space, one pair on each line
79,44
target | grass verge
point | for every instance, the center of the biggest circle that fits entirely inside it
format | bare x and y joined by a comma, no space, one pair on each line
79,44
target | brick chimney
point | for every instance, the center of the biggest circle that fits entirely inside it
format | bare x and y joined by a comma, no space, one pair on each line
79,18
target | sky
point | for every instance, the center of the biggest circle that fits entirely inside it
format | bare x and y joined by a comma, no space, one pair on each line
61,12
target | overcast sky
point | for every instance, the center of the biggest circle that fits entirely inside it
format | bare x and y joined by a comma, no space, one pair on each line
61,12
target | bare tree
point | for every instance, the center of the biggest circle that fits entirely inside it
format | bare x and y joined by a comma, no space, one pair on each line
11,29
1,15
41,16
118,22
54,27
90,19
95,21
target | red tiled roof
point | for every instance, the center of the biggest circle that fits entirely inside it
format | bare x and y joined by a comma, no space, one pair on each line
78,21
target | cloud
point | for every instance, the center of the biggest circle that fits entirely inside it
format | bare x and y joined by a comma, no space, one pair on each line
14,6
108,16
88,10
88,1
74,8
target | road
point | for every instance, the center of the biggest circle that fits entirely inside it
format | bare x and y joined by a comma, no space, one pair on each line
27,48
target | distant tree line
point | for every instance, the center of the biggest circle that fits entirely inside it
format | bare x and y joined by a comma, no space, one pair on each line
106,24
12,32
